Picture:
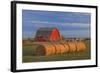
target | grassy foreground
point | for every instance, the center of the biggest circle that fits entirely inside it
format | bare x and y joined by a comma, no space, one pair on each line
28,55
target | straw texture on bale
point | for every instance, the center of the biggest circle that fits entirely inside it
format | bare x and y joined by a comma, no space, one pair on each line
45,49
66,47
81,46
72,46
59,48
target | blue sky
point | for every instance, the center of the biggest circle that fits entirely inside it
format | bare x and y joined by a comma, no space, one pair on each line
70,24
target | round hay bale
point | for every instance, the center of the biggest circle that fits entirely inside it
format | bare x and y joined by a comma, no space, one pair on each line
62,48
58,48
50,50
45,49
66,47
81,46
72,46
40,50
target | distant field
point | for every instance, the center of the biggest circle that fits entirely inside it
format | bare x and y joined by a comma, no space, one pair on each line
29,50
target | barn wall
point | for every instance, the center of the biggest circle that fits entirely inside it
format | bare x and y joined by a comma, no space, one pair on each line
55,35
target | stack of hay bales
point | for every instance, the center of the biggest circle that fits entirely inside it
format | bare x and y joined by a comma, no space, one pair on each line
59,48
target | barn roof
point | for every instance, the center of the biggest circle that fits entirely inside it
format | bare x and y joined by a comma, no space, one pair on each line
45,32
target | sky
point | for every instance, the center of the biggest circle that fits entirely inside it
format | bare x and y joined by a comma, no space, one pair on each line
70,24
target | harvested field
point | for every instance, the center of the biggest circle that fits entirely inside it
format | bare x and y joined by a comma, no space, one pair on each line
29,54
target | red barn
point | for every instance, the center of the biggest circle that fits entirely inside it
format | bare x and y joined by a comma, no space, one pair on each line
47,34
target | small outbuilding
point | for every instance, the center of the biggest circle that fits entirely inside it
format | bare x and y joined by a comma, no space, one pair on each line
47,34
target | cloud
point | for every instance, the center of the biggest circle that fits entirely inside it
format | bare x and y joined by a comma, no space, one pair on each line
63,24
77,24
76,33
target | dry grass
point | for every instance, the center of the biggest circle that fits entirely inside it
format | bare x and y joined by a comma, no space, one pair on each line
29,56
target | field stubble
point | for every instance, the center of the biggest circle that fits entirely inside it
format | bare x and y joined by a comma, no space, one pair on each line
29,56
